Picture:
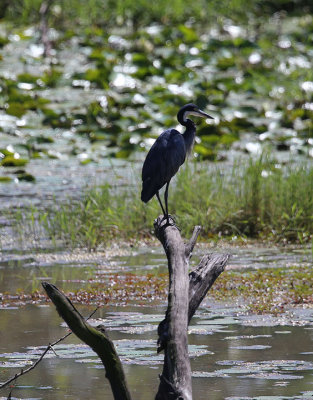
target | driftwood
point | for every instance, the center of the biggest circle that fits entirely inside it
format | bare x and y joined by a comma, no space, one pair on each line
186,291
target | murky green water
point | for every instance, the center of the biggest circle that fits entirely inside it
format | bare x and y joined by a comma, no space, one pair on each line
24,269
230,357
233,355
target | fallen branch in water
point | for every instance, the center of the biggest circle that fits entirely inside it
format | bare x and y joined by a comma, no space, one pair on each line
96,338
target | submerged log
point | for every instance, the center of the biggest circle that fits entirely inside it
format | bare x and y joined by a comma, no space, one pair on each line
186,291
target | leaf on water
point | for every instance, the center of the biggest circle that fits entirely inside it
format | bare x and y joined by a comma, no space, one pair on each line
26,177
227,320
247,337
205,152
11,161
16,109
40,140
28,78
5,179
3,41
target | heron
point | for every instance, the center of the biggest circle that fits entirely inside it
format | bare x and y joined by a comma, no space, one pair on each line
167,154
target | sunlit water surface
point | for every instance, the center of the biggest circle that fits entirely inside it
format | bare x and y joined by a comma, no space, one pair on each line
230,356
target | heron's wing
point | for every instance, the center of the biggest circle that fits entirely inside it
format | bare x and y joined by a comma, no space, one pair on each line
175,154
162,162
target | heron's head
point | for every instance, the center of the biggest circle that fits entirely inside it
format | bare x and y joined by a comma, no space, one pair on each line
190,109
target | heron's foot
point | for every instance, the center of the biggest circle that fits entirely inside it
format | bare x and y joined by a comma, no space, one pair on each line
163,221
170,221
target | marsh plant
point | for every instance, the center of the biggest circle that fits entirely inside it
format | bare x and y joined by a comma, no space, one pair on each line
255,199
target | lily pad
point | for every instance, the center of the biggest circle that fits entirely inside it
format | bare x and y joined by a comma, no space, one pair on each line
5,179
26,177
11,161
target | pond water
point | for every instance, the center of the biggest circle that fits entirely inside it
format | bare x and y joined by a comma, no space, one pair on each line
25,269
233,355
58,180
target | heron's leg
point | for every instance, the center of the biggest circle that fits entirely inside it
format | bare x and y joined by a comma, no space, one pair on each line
165,198
158,196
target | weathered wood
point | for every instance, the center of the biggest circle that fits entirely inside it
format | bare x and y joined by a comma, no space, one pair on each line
186,291
201,278
192,242
97,339
175,382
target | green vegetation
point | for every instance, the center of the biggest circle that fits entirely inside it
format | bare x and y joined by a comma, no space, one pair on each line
253,199
251,71
142,12
259,198
267,290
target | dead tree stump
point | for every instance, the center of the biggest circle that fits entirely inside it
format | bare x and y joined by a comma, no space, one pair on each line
186,291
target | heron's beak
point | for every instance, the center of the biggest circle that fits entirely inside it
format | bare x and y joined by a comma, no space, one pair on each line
204,115
200,113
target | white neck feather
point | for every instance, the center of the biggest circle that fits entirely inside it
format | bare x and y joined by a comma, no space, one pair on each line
195,113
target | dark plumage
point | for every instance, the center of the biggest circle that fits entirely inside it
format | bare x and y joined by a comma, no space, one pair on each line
167,154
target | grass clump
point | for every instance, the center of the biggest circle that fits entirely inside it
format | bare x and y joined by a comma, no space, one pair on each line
257,198
141,12
96,219
85,13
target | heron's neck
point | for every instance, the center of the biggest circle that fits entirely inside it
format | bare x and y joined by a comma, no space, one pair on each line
189,134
